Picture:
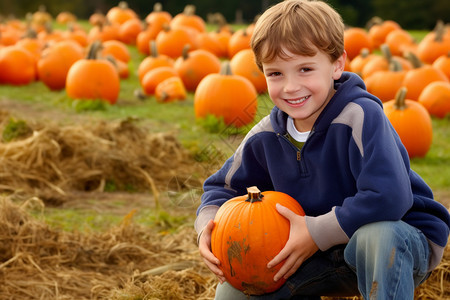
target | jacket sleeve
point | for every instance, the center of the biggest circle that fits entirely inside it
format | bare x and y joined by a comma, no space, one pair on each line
379,165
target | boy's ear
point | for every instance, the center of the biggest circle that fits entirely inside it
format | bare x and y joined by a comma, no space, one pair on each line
339,66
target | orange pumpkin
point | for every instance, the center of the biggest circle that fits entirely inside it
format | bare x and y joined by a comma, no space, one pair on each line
152,61
121,13
244,240
171,41
56,61
189,18
238,41
412,122
17,65
227,96
243,63
443,63
435,97
383,62
358,63
420,76
355,39
129,30
378,32
158,17
92,78
117,49
434,44
170,89
143,39
398,40
193,66
386,83
155,76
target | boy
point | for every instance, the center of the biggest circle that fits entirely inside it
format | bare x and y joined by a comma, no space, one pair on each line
371,225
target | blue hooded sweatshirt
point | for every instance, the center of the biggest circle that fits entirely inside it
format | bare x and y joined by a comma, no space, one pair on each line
351,171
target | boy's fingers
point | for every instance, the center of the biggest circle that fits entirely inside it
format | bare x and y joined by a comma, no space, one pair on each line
285,212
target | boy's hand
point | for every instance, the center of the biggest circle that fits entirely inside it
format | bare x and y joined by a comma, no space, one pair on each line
204,245
299,247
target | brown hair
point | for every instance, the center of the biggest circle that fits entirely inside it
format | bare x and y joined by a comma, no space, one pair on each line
302,27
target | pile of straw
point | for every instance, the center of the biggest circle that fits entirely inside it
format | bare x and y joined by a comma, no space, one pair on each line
37,262
55,160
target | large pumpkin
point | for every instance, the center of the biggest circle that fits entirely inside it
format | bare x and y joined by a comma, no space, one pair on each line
248,233
412,122
227,96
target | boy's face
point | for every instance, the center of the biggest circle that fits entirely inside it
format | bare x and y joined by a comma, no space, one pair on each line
301,86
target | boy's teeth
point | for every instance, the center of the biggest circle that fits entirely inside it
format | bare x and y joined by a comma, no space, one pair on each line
297,101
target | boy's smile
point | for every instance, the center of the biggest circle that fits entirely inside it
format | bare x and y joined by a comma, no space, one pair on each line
301,86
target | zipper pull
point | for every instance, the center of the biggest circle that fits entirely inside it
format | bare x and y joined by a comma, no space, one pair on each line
298,155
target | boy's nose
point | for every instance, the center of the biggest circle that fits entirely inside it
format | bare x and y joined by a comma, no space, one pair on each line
291,85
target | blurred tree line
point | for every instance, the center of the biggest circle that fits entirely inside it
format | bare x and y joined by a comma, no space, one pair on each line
410,14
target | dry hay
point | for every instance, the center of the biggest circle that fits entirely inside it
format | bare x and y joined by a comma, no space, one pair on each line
54,160
126,262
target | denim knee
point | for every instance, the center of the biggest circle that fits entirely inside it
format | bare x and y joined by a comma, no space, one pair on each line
391,256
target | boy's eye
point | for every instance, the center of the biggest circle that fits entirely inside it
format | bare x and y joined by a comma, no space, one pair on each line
273,74
305,69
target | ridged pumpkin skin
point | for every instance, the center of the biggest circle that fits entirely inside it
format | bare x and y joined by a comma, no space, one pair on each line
247,235
232,97
412,122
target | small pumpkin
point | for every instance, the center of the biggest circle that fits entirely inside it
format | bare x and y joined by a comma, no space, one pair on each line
228,96
152,61
443,63
379,31
56,61
420,76
155,76
158,17
434,44
121,13
355,39
92,78
189,18
170,89
435,97
385,83
248,233
243,63
193,66
412,122
238,41
171,41
17,65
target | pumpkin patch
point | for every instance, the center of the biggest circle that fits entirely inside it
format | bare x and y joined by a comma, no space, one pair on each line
88,144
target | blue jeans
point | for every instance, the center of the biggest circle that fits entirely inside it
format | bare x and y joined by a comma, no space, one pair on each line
384,260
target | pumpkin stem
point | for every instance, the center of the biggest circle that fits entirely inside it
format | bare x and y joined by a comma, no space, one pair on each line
153,49
395,66
400,102
386,52
439,30
157,7
189,10
254,194
185,52
94,50
123,5
416,62
225,69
